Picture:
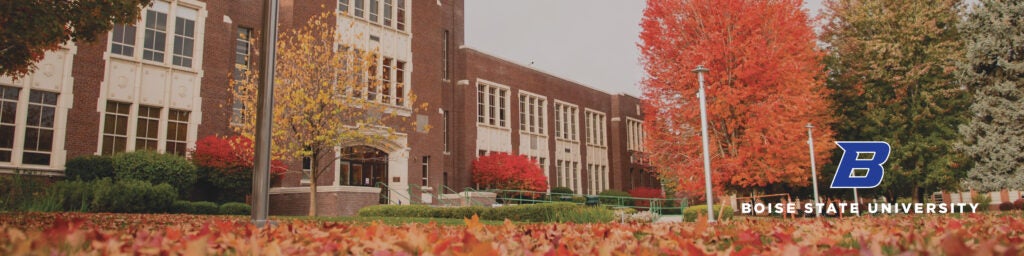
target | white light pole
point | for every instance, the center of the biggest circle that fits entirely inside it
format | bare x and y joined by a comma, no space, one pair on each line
264,114
814,172
700,70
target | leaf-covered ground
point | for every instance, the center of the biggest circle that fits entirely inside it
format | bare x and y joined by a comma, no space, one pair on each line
111,234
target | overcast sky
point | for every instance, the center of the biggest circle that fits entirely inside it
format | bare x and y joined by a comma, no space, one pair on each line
589,41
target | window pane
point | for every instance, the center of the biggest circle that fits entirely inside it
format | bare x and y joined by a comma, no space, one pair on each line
156,32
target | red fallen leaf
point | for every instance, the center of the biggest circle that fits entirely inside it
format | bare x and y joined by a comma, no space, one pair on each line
954,224
953,244
443,246
746,251
172,233
749,238
782,237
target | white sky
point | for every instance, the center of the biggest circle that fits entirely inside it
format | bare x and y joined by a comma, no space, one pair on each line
589,41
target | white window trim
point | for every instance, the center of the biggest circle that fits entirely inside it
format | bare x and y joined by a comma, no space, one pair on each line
635,134
540,114
596,136
487,103
574,136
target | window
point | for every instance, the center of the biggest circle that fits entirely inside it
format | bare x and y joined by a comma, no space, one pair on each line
576,178
385,93
598,176
115,128
8,112
42,108
387,12
400,24
359,8
492,105
634,135
184,37
243,50
156,32
148,128
374,10
123,40
531,113
445,114
343,5
307,168
444,57
566,124
371,87
177,132
400,83
559,173
426,167
596,128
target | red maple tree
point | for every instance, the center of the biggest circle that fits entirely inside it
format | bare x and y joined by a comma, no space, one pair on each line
229,155
512,172
765,84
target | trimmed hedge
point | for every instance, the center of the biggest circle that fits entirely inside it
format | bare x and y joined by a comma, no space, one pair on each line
132,196
615,201
561,190
181,206
690,213
235,208
89,168
155,168
545,212
205,208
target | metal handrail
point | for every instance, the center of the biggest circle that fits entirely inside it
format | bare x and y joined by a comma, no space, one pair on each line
389,195
655,205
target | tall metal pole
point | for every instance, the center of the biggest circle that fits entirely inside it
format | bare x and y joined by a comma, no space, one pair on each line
856,200
814,172
264,114
700,70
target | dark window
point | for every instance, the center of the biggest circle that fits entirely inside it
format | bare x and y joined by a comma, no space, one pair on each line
147,131
374,10
243,49
115,128
343,5
400,83
400,15
387,12
426,169
385,92
8,111
156,32
177,132
444,57
184,37
42,108
446,131
123,40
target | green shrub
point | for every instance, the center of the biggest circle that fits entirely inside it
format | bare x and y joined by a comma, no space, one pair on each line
983,200
205,208
545,212
181,206
133,196
615,197
561,191
77,195
235,208
89,167
155,168
690,213
19,189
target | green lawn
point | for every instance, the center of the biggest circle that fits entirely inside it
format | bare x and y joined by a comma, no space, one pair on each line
387,220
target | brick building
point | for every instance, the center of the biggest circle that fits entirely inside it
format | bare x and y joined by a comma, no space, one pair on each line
163,82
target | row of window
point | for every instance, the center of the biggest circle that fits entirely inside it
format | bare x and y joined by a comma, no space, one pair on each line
635,135
154,35
598,178
148,121
491,110
39,116
388,13
567,174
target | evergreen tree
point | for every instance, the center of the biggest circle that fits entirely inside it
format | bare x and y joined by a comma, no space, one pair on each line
892,70
994,72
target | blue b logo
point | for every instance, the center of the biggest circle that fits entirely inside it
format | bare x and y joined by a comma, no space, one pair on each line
865,156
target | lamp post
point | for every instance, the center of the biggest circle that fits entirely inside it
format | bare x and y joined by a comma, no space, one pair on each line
700,70
264,114
814,172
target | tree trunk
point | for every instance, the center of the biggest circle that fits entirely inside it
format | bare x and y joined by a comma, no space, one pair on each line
312,185
917,194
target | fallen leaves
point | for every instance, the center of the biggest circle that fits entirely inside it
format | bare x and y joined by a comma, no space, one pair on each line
112,234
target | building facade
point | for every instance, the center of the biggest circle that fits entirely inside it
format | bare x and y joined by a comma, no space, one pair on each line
164,82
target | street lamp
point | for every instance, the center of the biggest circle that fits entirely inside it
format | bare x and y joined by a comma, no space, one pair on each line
700,70
264,114
814,172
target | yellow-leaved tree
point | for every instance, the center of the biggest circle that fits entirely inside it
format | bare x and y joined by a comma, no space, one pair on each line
327,94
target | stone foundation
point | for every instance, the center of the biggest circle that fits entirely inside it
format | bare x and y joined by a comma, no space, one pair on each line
331,200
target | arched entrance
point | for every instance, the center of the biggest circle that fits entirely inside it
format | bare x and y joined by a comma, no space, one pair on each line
362,166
